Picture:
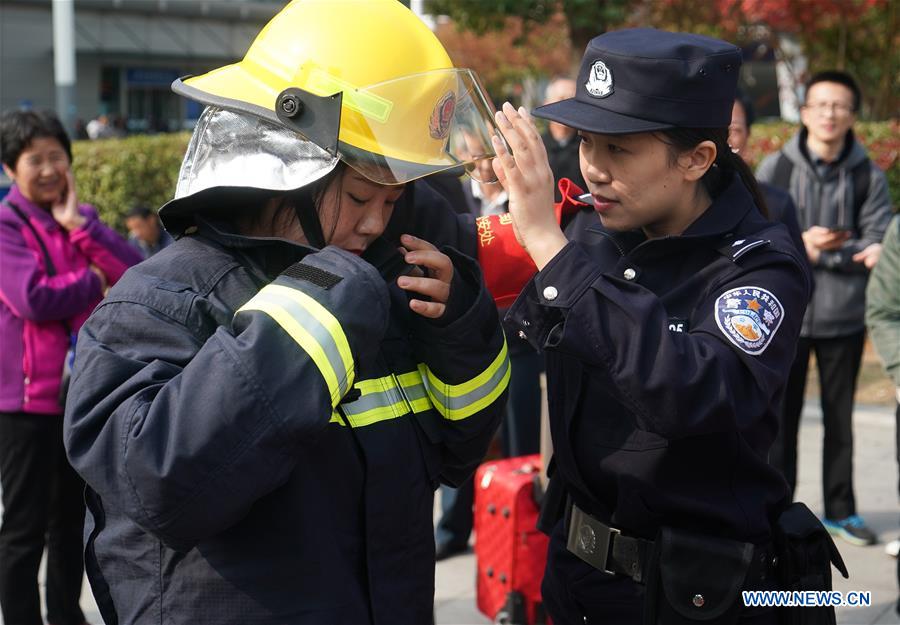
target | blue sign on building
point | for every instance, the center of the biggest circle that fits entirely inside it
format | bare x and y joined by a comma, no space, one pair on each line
151,77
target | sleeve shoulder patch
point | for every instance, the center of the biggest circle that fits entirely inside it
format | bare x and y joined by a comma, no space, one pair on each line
749,317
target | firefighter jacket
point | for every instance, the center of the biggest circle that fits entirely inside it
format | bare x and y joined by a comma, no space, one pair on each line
666,365
262,426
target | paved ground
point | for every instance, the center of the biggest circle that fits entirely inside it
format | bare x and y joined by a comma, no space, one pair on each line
870,568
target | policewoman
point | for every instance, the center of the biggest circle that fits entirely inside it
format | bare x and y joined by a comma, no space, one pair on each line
263,410
669,310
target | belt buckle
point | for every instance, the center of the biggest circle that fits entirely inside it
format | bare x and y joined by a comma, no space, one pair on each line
590,540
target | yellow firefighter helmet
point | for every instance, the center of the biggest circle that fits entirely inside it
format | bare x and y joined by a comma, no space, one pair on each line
365,80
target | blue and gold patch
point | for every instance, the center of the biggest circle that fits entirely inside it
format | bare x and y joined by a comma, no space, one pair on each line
749,316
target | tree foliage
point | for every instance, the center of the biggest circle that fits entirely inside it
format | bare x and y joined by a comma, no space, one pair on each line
584,18
859,36
502,64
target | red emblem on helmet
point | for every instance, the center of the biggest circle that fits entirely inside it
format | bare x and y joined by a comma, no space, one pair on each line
441,116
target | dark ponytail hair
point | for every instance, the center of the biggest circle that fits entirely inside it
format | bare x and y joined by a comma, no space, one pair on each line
726,165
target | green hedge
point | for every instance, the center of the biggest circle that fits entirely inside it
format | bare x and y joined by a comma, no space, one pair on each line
114,174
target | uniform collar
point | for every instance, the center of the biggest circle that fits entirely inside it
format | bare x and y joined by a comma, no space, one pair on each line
725,213
32,210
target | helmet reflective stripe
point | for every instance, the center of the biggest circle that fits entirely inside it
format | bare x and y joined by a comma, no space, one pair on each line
314,329
367,104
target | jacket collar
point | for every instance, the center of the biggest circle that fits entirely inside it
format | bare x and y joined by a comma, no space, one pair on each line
725,213
32,210
273,254
849,143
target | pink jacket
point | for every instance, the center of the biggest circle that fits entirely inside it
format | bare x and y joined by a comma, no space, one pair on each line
35,307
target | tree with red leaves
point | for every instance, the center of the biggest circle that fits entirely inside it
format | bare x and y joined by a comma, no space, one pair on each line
859,36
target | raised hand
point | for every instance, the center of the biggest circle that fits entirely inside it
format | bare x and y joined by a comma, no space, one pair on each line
65,209
527,178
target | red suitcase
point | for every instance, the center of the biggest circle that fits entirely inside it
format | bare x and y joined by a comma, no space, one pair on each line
510,551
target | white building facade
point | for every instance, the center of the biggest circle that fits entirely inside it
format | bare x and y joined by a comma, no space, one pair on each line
127,53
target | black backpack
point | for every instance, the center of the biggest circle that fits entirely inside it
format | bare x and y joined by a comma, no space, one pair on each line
861,173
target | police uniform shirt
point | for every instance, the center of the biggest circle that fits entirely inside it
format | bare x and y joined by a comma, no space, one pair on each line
666,361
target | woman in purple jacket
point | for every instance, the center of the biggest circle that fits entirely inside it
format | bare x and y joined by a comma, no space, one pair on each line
57,259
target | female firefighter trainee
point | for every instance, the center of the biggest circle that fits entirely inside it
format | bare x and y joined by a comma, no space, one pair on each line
263,410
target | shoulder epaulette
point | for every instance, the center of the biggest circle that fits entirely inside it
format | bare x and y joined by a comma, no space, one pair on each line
736,249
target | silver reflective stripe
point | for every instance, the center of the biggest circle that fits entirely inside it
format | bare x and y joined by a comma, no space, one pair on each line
460,403
316,329
416,392
393,392
384,399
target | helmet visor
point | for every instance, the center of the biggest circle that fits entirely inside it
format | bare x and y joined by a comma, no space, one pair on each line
230,149
402,129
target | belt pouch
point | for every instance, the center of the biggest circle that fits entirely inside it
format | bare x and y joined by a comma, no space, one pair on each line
695,579
805,554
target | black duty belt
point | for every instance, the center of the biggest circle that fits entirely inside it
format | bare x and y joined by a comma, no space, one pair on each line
607,549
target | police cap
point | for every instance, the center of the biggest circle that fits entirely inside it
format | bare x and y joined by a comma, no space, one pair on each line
643,79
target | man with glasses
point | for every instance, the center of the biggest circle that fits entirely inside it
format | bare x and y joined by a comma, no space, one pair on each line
843,208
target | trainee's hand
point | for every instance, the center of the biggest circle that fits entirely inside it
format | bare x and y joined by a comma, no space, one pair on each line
435,283
869,255
65,209
528,180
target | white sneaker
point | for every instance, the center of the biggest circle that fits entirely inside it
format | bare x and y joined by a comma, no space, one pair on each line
892,548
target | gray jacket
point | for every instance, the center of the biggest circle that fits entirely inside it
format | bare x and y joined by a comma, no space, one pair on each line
883,303
837,307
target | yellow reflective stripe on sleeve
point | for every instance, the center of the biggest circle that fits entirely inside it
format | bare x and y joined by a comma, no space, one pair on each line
393,396
416,393
328,321
460,401
314,329
385,398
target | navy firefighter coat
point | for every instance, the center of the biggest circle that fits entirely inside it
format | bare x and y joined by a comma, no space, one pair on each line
666,364
261,427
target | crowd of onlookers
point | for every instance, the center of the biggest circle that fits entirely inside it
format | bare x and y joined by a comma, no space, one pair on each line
821,185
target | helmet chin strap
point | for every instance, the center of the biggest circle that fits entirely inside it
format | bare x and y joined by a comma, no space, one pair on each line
309,222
